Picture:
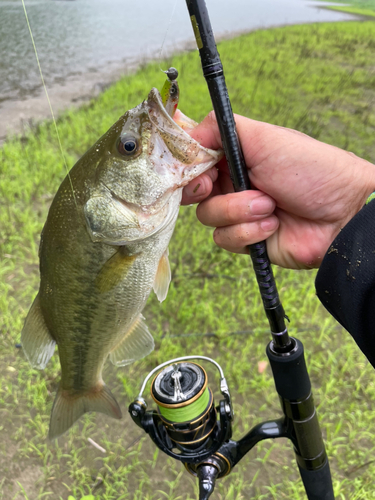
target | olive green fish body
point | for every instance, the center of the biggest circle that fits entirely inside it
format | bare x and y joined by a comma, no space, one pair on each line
104,247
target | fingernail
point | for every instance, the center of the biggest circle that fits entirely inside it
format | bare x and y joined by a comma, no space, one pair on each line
269,224
261,206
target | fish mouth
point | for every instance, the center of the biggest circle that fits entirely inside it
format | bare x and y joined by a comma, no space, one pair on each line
163,121
155,105
191,159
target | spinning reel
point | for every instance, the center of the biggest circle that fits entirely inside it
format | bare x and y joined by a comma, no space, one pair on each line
187,426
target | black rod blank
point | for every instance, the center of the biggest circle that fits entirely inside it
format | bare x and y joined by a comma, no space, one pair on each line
214,75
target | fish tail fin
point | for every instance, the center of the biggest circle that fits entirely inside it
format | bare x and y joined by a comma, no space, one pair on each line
68,407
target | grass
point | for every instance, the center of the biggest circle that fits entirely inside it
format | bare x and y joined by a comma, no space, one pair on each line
355,10
360,7
319,79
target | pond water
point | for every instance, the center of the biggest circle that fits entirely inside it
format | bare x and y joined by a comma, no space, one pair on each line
84,44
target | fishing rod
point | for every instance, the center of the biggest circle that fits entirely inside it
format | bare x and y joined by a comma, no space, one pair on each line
186,425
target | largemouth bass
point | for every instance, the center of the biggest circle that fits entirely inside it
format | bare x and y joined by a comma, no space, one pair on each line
103,248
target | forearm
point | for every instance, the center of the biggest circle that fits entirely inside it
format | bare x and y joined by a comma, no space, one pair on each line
345,282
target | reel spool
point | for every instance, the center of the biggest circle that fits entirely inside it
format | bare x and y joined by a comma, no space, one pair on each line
185,425
185,405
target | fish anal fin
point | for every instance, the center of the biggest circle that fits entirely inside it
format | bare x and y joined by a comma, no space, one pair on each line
163,277
114,271
37,342
136,344
68,407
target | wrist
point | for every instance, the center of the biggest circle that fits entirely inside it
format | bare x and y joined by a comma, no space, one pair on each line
363,175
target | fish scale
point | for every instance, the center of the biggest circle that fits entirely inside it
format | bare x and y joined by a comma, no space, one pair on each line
104,249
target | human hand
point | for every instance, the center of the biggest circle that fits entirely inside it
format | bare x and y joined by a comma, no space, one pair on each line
307,191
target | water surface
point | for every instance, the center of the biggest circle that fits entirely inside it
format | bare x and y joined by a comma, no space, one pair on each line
83,43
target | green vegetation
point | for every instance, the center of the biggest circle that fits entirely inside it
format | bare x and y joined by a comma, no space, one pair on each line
355,10
86,497
360,7
316,78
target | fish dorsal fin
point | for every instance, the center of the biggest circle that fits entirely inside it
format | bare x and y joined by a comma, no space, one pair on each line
37,342
68,407
163,277
136,344
114,271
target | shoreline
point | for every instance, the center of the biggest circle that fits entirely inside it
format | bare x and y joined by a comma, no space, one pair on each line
19,116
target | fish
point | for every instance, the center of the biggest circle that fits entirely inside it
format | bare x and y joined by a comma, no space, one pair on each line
104,247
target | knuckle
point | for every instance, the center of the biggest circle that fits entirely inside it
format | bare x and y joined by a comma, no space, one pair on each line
242,233
227,209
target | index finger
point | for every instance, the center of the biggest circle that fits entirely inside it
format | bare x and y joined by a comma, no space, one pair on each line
207,132
255,137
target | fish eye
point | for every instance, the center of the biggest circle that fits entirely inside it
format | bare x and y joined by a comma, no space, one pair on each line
127,145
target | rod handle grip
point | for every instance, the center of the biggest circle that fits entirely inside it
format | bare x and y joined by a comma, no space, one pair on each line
318,483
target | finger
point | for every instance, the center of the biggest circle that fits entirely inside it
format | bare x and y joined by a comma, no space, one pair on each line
235,208
207,133
198,189
236,238
225,182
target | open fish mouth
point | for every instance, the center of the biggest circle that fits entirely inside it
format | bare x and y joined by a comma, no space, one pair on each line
155,105
184,148
192,158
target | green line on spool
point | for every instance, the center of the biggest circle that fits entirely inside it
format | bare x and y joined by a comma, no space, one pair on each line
189,412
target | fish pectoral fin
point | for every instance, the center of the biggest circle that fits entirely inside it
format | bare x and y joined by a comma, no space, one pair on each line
136,344
163,277
68,407
37,342
114,271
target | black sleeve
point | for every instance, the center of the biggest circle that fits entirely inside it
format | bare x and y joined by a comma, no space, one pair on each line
345,282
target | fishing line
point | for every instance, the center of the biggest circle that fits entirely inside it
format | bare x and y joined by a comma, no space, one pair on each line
48,100
166,32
